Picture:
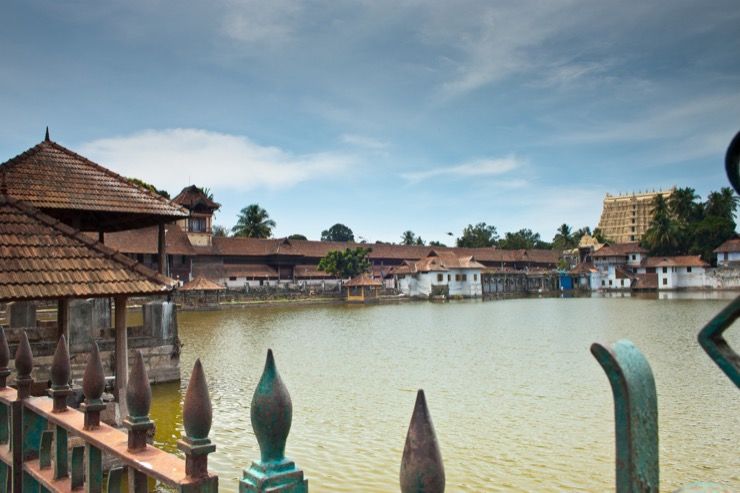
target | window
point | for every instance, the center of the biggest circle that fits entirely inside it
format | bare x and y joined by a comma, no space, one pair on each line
665,281
440,277
634,257
603,282
475,277
610,282
183,259
665,270
449,277
232,278
457,277
198,224
688,269
464,277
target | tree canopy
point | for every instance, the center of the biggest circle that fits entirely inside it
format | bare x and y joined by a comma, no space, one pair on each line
410,238
682,224
564,238
338,232
218,230
522,239
348,263
297,237
149,186
479,236
253,222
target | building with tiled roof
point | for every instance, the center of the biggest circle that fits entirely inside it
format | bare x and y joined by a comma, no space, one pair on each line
43,258
81,193
728,253
441,272
676,272
200,208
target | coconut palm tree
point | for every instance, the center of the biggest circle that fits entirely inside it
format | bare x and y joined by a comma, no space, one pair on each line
662,236
253,222
408,238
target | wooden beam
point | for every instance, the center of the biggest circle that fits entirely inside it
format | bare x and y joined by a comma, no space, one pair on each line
121,370
162,249
101,237
62,318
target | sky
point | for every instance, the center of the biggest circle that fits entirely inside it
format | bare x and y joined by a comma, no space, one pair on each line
382,115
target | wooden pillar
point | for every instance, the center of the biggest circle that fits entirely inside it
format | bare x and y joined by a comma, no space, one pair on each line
62,318
101,237
162,249
121,354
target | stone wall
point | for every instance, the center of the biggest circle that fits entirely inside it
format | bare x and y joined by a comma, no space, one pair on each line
723,278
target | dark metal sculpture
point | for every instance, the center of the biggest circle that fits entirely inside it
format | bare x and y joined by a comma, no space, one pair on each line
93,384
272,413
197,418
24,367
60,372
139,400
422,469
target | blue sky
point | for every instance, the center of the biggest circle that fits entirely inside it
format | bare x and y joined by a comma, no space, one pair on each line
383,115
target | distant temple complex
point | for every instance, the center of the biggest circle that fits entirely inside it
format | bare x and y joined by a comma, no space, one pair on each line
626,217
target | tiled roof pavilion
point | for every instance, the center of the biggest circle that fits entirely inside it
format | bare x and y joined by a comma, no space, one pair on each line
42,258
81,193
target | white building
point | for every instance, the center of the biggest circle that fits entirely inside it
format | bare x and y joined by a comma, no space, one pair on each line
616,265
680,272
728,253
440,273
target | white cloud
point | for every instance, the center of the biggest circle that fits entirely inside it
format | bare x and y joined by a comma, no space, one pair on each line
480,167
364,141
174,158
259,22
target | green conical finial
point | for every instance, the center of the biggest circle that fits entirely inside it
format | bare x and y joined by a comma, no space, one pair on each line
272,413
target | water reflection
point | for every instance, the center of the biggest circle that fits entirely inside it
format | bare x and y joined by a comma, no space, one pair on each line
517,400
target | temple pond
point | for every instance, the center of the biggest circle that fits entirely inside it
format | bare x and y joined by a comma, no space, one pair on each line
517,400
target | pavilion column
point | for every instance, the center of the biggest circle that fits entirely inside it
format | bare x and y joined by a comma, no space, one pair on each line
162,249
63,319
121,354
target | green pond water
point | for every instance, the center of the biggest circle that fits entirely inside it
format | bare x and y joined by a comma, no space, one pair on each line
517,400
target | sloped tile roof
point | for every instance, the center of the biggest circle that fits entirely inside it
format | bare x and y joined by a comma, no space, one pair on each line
676,261
145,240
619,250
257,271
41,258
192,196
363,280
201,284
732,245
66,185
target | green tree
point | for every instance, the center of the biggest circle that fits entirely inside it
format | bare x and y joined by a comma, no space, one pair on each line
520,240
662,236
434,243
348,263
479,236
218,230
149,186
563,239
297,237
599,235
408,238
721,204
338,232
253,222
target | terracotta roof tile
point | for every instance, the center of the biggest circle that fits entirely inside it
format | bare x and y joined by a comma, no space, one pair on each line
192,196
48,259
201,284
619,250
56,179
732,245
676,261
363,280
145,240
